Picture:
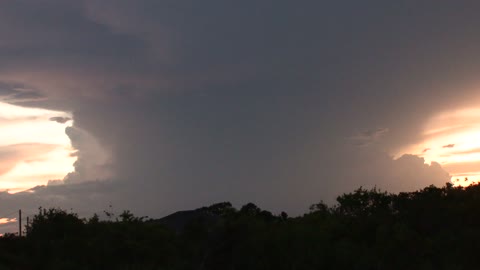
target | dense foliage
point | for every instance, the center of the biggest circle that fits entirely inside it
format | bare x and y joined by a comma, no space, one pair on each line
434,228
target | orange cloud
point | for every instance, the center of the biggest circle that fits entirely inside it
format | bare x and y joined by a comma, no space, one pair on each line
7,220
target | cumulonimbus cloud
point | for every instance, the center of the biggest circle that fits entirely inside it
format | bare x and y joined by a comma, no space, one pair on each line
191,102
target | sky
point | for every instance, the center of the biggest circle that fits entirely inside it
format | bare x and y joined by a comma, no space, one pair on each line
160,106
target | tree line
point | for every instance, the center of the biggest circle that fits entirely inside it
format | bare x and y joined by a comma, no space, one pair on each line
432,228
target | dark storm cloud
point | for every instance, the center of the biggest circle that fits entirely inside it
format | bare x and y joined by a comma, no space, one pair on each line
18,93
367,137
194,102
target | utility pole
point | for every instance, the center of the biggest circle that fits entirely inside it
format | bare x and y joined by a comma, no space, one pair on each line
20,222
28,227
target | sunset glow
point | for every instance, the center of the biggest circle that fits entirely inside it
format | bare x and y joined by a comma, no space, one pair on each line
451,138
7,220
33,147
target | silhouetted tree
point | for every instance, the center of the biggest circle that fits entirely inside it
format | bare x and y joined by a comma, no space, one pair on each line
432,228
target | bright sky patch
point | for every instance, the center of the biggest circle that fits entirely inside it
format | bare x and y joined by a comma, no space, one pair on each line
33,147
452,139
